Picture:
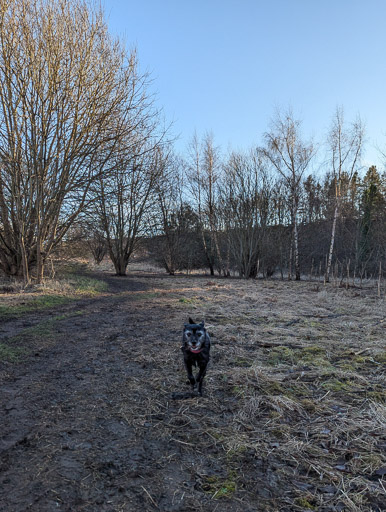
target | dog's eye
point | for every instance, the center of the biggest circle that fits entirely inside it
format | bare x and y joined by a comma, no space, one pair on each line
199,334
188,334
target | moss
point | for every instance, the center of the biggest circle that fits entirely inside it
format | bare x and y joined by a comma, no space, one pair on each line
308,405
242,363
336,385
304,503
296,390
218,487
314,356
236,453
280,355
273,388
280,432
317,362
312,350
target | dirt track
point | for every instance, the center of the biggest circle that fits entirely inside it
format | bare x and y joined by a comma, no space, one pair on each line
89,423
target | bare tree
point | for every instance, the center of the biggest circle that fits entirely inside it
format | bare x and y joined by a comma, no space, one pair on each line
125,198
290,156
345,145
204,170
244,204
171,216
63,84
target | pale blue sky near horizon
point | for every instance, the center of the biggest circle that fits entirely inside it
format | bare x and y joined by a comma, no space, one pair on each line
224,66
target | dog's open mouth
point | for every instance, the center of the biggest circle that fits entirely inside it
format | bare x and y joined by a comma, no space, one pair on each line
195,350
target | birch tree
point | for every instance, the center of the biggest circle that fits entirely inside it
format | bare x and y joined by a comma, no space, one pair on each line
290,156
345,145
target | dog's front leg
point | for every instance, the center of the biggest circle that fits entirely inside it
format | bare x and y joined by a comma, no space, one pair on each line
200,376
189,371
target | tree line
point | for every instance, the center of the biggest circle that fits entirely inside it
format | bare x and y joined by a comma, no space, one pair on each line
84,150
263,211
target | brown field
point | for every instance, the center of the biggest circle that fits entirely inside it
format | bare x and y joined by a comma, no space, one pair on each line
95,414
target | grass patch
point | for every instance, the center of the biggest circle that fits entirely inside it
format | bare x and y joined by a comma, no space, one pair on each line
11,354
41,302
381,357
219,487
144,296
84,285
184,300
337,385
377,396
281,355
42,330
312,355
304,503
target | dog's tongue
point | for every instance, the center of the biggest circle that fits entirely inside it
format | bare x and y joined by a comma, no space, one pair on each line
195,351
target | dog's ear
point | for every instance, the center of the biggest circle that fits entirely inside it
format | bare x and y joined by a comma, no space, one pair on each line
191,321
202,323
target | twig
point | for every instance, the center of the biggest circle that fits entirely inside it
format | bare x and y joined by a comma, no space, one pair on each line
151,499
324,396
361,351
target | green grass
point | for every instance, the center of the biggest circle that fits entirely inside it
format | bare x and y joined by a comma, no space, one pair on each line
43,330
312,355
188,301
35,304
142,296
84,285
80,285
220,488
11,354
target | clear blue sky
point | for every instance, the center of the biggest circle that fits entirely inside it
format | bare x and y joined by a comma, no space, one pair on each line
225,65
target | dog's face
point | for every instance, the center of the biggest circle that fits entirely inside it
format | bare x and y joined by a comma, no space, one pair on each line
194,336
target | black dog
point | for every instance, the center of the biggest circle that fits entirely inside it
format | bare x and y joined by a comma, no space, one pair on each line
196,348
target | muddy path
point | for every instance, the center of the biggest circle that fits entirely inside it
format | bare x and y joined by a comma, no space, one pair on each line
75,433
89,422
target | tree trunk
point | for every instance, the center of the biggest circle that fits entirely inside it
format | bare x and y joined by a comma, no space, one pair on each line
329,260
290,262
296,247
210,264
24,257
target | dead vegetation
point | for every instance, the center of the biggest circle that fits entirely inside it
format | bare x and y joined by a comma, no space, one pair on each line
294,409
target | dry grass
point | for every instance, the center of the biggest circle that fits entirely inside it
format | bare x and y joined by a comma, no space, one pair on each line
296,382
294,412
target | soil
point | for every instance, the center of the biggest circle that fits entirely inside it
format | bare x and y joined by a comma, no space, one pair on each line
96,415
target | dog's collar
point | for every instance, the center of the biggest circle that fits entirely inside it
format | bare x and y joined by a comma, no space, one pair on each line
196,351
